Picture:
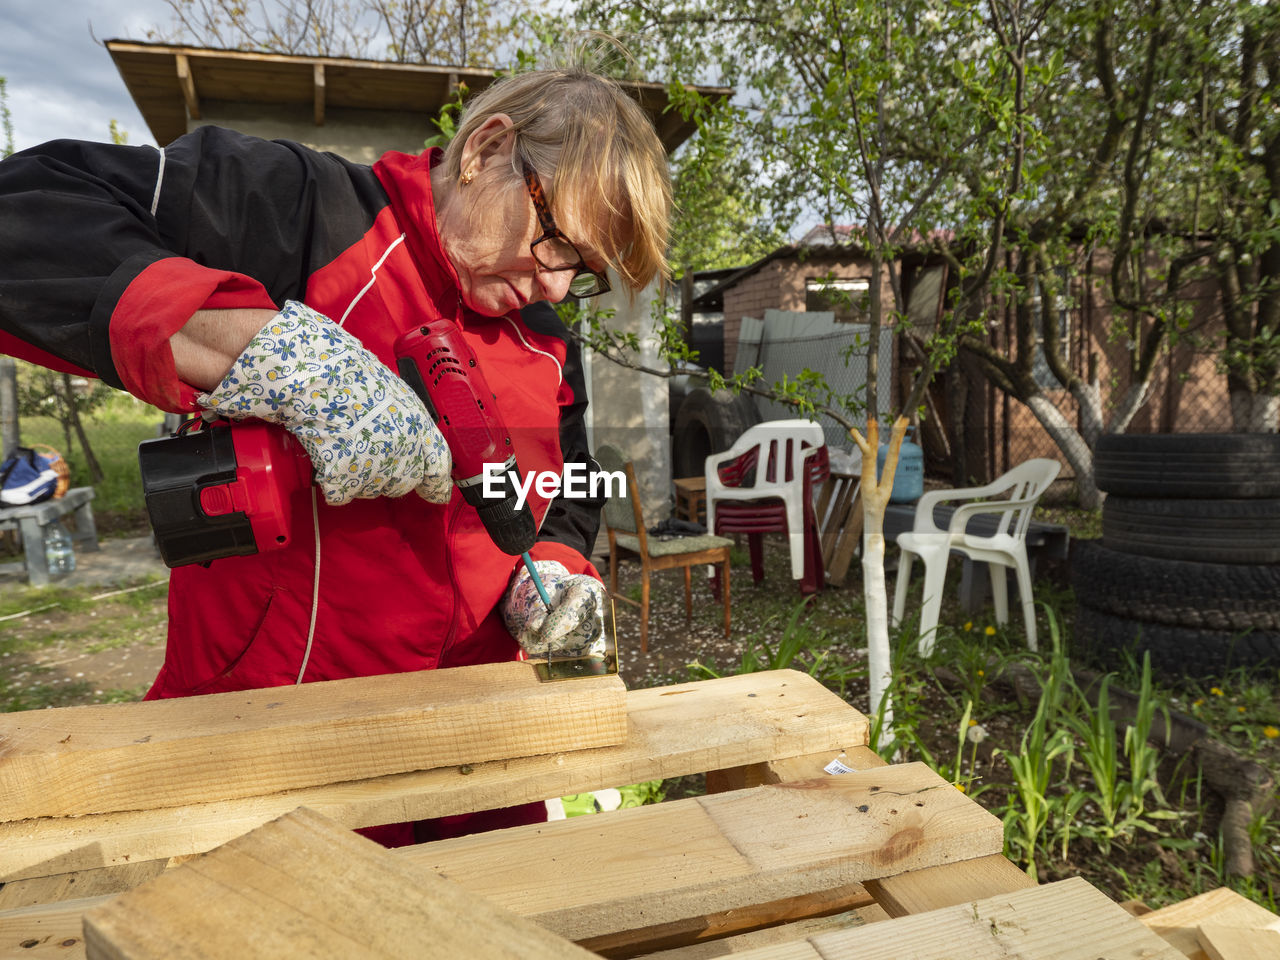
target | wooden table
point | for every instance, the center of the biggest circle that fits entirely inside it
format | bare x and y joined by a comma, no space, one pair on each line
691,499
779,850
31,521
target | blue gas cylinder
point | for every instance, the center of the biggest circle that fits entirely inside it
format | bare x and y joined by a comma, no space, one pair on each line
908,480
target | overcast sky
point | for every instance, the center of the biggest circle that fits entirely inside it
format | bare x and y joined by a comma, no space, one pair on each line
60,82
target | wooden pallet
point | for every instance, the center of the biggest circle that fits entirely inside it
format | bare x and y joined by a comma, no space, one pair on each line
780,857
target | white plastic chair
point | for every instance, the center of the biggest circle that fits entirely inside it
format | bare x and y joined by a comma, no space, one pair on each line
1006,547
784,445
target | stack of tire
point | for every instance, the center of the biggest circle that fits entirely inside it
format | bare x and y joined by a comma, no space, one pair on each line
1188,567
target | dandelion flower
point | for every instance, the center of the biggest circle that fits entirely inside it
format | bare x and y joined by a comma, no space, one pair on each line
990,631
1270,732
960,787
967,626
1199,702
982,673
1216,691
1240,710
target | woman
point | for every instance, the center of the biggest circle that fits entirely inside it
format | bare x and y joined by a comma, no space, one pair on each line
195,275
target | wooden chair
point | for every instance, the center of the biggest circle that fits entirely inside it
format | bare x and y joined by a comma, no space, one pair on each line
629,539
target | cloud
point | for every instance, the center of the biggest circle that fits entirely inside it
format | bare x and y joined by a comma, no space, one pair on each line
61,83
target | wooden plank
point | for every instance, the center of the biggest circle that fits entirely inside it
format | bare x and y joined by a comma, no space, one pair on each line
651,869
673,731
593,876
79,885
189,95
1068,920
48,930
771,936
303,886
847,545
1178,922
318,79
947,884
135,756
790,769
724,924
1238,943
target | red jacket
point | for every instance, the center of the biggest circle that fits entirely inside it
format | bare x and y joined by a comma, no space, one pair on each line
219,220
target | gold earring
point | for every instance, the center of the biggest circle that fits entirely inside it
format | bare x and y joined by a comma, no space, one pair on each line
467,177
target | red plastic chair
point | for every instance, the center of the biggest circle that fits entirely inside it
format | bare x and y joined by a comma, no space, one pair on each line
765,484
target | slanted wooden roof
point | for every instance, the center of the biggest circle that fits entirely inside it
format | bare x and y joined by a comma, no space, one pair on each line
169,82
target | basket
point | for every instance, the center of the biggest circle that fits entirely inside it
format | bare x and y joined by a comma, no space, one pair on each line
58,465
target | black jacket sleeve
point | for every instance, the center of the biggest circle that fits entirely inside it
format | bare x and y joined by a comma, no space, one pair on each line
575,521
80,221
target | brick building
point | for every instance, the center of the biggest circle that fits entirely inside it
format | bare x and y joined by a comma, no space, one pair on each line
974,431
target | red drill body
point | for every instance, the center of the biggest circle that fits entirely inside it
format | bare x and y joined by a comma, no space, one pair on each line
225,490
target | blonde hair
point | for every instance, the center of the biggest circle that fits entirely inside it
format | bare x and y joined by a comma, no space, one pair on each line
592,146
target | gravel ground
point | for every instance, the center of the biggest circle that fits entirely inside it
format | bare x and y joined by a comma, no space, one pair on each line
77,662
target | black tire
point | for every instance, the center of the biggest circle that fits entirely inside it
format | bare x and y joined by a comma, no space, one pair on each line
1210,531
1177,593
1226,466
1108,641
708,423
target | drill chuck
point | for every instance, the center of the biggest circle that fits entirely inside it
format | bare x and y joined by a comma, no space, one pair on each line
512,531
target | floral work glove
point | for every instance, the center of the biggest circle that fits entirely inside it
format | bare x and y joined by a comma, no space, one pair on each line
574,626
366,432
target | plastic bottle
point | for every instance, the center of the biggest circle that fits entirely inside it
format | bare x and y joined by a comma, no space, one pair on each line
59,554
908,479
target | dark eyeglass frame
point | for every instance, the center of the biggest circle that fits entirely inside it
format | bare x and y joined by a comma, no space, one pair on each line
586,282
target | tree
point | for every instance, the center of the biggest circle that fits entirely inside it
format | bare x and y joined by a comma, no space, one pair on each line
718,221
1007,139
47,393
461,32
896,119
1216,136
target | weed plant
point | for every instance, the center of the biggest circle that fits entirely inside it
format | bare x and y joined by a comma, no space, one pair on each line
802,644
1071,771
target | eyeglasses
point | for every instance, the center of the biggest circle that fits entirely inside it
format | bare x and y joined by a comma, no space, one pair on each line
554,251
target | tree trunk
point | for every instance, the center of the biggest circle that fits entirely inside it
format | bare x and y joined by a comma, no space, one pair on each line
9,432
1073,447
1129,406
957,406
73,415
1254,412
875,497
873,341
1089,398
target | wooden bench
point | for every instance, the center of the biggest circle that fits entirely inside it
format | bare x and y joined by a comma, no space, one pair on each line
31,521
779,856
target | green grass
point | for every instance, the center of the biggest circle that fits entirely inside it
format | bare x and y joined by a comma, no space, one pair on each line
59,617
15,696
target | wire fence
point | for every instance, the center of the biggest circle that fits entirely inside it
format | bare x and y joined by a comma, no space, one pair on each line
987,432
972,432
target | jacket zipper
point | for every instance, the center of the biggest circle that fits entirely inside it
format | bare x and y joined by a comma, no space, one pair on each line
455,513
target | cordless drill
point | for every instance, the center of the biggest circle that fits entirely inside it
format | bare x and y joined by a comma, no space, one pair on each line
225,489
